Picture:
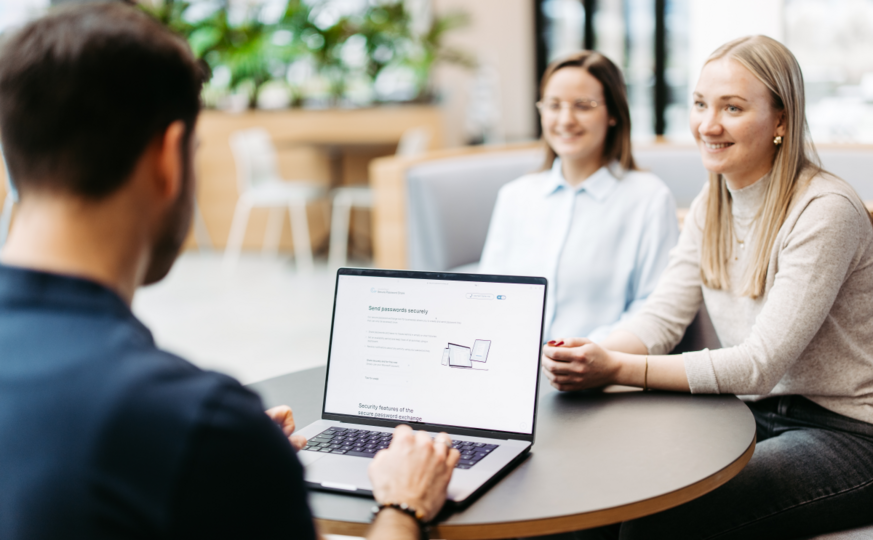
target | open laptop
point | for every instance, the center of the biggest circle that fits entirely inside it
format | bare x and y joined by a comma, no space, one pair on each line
393,336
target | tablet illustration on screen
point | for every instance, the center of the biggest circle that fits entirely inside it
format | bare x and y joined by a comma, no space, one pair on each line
480,350
459,356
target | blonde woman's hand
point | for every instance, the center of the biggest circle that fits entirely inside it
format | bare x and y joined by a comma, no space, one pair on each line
578,364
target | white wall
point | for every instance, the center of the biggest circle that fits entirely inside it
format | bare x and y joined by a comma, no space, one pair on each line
501,37
713,24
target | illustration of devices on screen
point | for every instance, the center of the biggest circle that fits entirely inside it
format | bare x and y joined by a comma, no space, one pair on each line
480,350
459,356
446,354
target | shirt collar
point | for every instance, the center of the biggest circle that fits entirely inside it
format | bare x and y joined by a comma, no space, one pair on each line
599,185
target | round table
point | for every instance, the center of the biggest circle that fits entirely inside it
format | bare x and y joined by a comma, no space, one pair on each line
598,458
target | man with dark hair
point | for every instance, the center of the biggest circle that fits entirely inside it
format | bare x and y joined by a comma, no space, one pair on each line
102,435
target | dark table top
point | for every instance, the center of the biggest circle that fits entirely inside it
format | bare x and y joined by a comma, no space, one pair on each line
598,458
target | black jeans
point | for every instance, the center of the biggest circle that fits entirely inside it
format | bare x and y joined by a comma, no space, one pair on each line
811,473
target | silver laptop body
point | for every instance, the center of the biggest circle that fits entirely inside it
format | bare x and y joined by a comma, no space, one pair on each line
389,364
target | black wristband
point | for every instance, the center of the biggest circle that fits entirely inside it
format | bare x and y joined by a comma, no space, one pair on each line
409,511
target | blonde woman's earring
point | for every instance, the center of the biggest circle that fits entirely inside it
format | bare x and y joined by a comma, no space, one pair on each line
778,140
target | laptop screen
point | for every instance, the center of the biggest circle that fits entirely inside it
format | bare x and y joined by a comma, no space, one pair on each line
438,351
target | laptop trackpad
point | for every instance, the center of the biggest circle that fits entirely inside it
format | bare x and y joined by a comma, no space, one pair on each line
340,471
308,458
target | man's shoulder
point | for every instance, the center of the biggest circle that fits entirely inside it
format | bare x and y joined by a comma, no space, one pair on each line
107,424
161,382
149,366
129,375
160,401
158,398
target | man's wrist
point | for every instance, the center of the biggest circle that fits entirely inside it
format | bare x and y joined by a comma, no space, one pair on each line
416,511
393,516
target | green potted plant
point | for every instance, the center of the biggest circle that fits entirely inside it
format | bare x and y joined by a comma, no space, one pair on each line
251,52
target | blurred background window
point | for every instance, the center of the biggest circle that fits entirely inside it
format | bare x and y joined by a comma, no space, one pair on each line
647,39
272,54
17,12
833,43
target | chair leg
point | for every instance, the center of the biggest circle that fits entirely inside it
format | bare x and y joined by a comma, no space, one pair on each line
326,213
339,233
201,232
300,234
274,230
237,232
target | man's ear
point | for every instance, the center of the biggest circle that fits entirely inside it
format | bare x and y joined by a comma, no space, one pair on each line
171,165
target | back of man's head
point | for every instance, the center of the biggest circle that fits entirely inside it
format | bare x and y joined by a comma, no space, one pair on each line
84,90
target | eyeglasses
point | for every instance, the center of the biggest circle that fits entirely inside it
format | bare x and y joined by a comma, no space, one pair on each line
578,107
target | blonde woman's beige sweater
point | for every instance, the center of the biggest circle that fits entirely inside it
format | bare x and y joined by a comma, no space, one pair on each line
810,334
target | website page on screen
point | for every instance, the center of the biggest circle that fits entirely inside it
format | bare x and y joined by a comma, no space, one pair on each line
457,353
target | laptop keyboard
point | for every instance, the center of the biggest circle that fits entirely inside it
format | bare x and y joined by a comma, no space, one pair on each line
363,443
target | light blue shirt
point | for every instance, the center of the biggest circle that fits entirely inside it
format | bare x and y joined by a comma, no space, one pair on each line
602,245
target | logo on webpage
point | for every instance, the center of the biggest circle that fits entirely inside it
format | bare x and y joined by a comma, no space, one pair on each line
374,290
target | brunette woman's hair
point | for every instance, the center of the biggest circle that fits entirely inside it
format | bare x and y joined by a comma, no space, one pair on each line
618,138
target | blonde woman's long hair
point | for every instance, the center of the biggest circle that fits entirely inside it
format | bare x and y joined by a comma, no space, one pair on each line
795,160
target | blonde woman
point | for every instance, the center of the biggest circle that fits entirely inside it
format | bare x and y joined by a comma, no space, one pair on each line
781,254
597,227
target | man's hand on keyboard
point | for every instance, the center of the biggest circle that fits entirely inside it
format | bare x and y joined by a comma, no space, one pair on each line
284,418
414,470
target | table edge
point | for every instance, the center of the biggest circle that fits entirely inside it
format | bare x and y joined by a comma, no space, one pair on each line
567,523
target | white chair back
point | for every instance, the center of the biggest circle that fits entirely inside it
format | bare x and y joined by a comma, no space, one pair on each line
414,141
255,158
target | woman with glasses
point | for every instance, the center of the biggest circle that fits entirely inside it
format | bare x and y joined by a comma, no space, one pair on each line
592,223
781,254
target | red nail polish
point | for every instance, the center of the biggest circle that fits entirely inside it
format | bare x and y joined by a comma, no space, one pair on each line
559,344
552,342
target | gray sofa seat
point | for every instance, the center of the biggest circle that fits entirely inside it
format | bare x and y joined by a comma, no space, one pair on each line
449,205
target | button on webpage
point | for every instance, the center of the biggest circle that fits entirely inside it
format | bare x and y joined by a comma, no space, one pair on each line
480,296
